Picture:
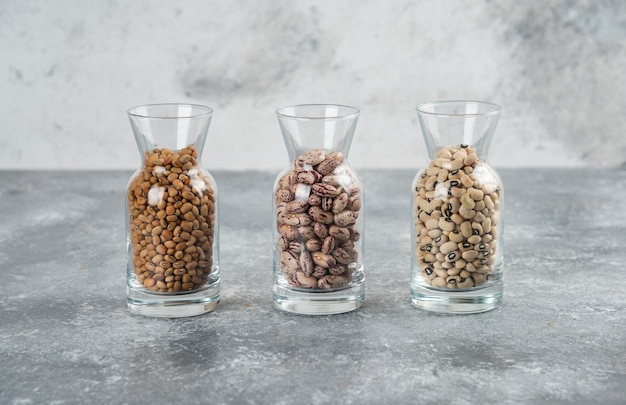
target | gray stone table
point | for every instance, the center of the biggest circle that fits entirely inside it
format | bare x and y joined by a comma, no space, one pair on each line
66,336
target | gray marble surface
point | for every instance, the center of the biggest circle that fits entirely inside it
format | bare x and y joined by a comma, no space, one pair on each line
67,337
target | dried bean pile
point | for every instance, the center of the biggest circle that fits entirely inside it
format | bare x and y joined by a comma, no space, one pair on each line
317,206
172,221
457,213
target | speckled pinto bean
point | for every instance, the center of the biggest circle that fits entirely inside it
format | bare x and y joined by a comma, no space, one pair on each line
317,208
456,215
171,206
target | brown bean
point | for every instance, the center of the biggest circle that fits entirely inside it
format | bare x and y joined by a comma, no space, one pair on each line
169,245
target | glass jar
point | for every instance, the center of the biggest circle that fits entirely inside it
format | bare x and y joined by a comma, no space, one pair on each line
318,214
171,214
457,238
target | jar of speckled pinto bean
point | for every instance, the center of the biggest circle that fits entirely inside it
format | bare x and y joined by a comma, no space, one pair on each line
318,214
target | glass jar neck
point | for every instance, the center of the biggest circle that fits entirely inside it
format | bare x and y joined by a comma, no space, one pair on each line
170,126
317,126
455,123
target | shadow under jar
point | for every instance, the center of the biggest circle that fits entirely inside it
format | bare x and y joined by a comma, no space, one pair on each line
318,216
171,226
458,246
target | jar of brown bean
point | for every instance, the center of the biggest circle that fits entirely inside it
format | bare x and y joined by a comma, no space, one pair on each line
171,215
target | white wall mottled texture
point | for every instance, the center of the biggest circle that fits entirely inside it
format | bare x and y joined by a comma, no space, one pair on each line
70,69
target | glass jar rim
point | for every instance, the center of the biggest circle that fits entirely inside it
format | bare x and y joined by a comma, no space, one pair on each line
196,111
429,108
350,112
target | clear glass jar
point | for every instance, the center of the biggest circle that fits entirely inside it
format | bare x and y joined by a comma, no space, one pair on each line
171,214
318,214
457,238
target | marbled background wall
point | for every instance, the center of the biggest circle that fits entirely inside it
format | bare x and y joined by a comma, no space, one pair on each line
71,68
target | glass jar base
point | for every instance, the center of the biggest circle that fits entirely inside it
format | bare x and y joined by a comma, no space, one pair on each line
173,306
457,302
319,303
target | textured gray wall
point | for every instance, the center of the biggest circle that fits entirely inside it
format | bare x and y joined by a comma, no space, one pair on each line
71,68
